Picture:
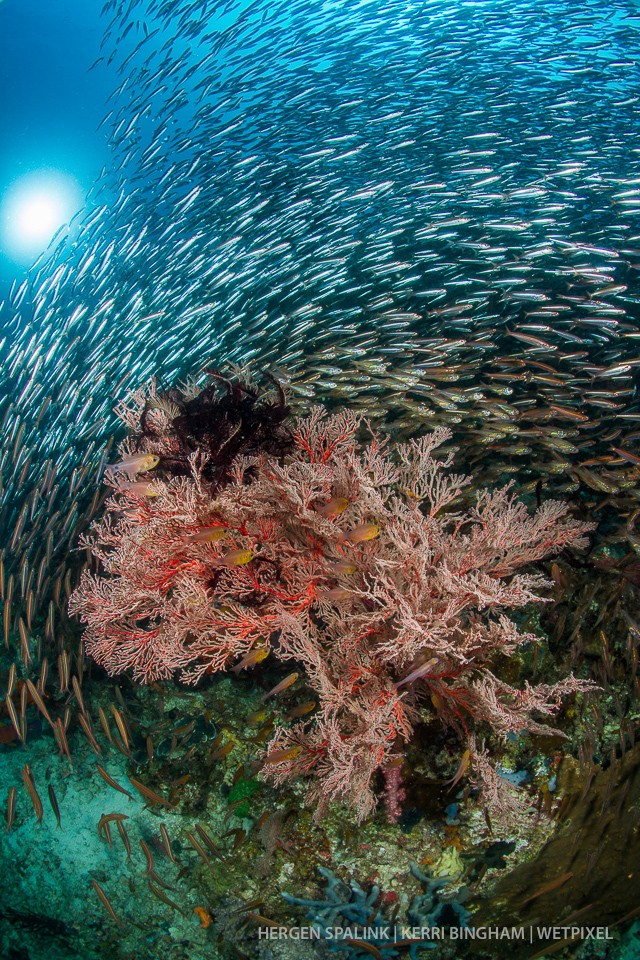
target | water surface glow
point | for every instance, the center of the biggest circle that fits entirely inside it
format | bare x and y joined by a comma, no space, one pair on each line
33,209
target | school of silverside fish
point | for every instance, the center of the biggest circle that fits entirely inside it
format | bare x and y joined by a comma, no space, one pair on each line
427,212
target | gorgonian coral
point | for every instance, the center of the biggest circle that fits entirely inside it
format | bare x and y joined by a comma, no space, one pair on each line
349,557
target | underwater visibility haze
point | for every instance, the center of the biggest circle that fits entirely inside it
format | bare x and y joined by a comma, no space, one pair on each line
319,479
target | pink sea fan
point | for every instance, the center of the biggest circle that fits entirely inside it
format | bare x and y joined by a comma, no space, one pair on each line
422,589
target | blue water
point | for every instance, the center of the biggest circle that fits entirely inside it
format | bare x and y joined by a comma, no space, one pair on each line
51,104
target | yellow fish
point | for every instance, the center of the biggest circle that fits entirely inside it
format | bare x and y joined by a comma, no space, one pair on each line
208,535
139,487
257,655
279,756
136,463
333,508
345,567
236,558
366,531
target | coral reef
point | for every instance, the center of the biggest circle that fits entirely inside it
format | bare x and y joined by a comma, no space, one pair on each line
350,908
353,920
348,558
229,416
587,872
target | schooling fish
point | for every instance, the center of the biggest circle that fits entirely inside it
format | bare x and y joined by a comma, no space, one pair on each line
150,795
54,803
112,783
11,807
627,455
106,903
27,779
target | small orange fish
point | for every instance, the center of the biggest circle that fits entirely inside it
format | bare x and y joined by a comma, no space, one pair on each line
333,508
257,655
112,783
257,716
161,895
208,535
236,558
558,576
548,888
27,779
11,807
166,843
366,531
279,687
106,903
419,671
365,947
140,488
262,735
150,795
465,760
568,412
627,455
344,567
279,756
301,710
222,751
336,594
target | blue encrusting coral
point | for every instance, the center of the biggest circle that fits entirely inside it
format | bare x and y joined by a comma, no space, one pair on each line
349,913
